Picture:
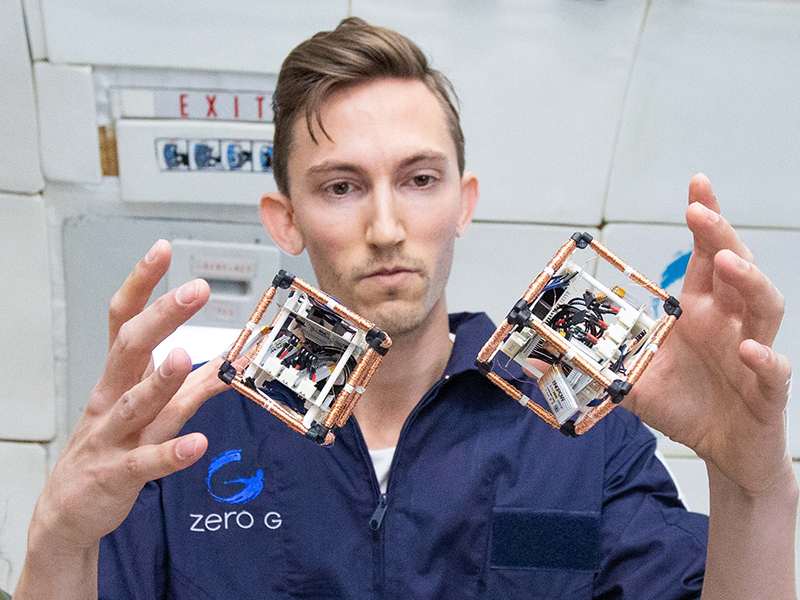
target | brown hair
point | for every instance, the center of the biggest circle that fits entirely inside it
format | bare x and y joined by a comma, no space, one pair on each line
353,53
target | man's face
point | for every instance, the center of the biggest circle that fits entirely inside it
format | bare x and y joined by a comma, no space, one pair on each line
379,204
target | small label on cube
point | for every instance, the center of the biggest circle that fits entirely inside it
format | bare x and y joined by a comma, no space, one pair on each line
558,394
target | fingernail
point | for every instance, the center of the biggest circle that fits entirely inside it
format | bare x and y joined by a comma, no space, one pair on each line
151,254
742,263
186,448
762,353
166,366
712,215
187,293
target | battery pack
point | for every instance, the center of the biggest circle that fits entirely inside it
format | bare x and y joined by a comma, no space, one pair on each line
559,394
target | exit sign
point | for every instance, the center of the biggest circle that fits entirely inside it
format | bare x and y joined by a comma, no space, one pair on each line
210,105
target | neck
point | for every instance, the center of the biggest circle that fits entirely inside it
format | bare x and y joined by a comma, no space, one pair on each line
415,362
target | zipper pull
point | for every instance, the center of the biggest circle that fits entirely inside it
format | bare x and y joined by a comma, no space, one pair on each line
377,517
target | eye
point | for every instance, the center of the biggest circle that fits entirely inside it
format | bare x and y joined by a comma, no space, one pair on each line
340,188
422,180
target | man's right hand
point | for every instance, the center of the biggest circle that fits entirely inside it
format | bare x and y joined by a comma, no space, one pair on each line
125,437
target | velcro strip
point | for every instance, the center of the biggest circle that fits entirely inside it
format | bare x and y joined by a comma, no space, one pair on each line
523,538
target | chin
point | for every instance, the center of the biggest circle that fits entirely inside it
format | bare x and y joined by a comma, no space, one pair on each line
399,323
397,317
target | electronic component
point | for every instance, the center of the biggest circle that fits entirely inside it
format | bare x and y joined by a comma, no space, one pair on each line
316,348
596,341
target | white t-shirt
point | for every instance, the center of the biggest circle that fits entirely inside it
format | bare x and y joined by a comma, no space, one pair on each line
382,461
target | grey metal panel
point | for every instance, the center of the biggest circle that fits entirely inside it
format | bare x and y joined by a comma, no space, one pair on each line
99,252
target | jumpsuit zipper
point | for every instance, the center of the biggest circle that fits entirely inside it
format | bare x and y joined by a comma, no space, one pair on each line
377,517
376,520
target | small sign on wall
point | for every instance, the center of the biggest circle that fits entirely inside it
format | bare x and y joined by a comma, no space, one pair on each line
209,105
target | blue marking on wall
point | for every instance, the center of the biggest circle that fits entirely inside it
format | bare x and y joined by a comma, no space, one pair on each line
675,271
252,485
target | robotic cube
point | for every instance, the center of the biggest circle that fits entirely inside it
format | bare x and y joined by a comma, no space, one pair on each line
597,344
316,348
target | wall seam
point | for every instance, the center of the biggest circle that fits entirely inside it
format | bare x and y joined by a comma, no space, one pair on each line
623,108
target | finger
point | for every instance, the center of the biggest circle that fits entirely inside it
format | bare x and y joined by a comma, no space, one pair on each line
151,366
146,463
132,296
142,403
726,297
712,233
704,212
200,385
700,191
761,305
538,365
772,370
131,352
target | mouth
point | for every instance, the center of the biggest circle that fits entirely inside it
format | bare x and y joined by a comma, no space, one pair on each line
390,275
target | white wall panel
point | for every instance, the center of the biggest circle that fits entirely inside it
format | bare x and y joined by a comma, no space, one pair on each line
67,122
19,147
27,402
692,478
495,263
35,25
715,88
657,252
247,35
22,474
541,86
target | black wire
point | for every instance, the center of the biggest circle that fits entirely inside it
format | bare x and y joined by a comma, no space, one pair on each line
618,367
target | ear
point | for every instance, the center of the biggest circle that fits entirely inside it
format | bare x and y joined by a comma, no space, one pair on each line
469,200
278,217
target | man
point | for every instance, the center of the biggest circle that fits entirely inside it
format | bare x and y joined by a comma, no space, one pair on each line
482,499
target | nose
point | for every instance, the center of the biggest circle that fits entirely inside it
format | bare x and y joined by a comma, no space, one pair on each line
385,221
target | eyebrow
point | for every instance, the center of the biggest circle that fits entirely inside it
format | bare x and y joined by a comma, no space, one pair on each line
426,156
333,166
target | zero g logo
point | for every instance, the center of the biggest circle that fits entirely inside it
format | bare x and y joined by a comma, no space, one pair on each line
252,485
240,490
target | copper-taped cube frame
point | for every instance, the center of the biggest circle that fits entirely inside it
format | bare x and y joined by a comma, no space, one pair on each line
315,347
594,363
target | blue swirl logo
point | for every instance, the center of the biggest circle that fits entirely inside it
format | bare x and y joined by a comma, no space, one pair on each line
252,485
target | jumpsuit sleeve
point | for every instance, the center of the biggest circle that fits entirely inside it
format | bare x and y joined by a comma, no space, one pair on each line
133,560
652,547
